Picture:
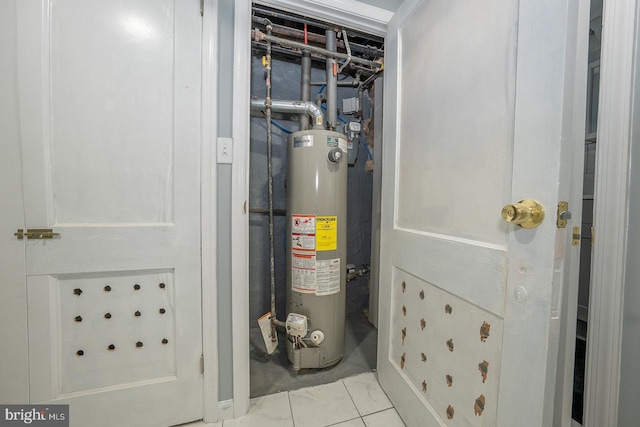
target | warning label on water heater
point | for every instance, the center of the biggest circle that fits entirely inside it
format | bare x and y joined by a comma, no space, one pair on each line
337,142
303,241
303,224
303,273
328,274
303,253
310,234
303,232
326,233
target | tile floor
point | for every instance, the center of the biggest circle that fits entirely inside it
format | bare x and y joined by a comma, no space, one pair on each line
351,402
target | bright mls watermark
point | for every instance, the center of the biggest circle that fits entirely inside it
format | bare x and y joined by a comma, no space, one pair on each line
35,415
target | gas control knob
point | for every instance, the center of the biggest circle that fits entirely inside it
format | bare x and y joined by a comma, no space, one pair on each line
334,155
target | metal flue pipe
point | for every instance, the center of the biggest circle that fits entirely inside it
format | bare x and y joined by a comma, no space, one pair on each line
292,107
305,86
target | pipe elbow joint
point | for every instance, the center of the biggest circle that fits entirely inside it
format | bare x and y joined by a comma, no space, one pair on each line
314,111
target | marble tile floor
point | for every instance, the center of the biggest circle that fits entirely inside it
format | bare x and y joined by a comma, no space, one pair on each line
356,401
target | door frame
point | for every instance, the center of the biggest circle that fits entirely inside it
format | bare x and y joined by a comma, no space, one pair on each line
617,118
239,208
353,14
208,209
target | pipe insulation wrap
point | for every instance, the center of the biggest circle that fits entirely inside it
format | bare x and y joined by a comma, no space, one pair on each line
292,107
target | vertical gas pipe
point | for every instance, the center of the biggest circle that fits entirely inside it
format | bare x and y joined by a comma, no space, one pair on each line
305,81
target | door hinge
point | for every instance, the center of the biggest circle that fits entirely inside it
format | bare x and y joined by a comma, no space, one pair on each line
563,214
201,7
35,233
202,364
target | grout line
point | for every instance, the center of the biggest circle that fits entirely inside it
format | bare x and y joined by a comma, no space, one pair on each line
293,420
351,397
381,410
340,422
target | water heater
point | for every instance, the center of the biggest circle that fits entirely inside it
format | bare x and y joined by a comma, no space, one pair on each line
316,247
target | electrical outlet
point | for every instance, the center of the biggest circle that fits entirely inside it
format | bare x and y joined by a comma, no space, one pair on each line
225,150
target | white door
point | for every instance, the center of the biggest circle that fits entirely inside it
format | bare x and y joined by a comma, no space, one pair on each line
479,113
13,307
109,108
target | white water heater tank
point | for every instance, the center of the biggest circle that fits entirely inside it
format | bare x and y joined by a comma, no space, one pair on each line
317,245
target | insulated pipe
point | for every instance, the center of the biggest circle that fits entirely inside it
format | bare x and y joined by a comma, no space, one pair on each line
346,45
287,17
305,86
332,81
260,36
293,107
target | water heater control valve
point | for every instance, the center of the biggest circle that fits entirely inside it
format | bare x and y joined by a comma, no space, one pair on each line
353,130
296,325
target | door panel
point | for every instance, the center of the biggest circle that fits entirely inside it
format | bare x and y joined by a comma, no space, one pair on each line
457,120
112,162
90,316
127,116
475,103
434,258
448,348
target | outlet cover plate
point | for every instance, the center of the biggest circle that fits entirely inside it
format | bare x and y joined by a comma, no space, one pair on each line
225,150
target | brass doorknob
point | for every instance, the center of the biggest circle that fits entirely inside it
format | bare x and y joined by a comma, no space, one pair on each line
526,213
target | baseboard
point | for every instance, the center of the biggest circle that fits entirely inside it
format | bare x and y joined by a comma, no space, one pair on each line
225,410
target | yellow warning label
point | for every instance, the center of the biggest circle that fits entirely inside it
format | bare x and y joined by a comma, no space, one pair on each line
326,233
